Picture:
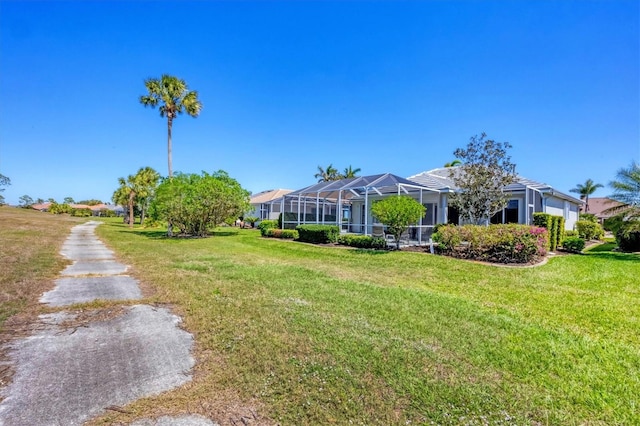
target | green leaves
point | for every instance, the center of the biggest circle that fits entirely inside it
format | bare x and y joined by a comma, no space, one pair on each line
481,179
194,203
397,213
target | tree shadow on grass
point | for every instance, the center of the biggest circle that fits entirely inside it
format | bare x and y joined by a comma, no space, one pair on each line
615,256
604,247
162,234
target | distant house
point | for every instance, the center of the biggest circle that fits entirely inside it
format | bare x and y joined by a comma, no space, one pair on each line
42,207
347,202
599,205
263,206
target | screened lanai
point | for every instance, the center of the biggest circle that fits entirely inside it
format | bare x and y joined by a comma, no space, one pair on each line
347,204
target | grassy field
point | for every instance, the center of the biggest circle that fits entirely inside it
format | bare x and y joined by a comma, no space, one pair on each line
289,333
29,258
299,334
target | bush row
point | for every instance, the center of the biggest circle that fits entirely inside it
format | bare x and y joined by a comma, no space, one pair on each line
282,233
265,225
495,243
362,241
554,226
318,234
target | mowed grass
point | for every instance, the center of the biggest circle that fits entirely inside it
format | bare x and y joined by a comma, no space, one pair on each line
30,242
291,333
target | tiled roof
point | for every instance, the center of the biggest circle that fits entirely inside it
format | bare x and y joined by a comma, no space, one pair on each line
268,195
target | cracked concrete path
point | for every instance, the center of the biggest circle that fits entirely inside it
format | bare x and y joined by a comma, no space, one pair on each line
70,371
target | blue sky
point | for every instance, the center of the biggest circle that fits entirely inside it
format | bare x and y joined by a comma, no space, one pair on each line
287,86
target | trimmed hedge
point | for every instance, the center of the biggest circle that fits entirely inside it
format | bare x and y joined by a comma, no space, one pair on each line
589,230
265,225
573,244
628,236
554,226
282,233
318,234
495,243
362,241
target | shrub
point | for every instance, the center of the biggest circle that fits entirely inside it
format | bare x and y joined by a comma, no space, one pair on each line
56,208
589,216
282,233
265,225
589,230
554,226
571,233
362,241
496,243
81,212
573,244
318,234
613,223
628,236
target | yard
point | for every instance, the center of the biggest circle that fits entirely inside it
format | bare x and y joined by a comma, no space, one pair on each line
312,335
292,333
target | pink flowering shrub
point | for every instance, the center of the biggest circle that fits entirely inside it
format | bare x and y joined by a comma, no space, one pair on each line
495,243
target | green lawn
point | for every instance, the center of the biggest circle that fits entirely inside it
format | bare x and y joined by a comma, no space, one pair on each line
302,334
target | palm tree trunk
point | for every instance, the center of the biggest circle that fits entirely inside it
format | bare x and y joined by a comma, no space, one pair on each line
169,125
132,195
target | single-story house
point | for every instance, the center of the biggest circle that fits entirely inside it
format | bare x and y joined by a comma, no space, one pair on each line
347,202
598,206
262,204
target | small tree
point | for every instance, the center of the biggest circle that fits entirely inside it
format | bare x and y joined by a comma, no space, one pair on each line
4,181
26,201
481,179
193,203
68,200
397,213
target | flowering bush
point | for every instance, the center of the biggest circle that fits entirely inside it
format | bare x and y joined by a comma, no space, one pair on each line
494,243
362,241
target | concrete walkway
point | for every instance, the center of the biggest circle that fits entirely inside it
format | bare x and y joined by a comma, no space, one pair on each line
72,369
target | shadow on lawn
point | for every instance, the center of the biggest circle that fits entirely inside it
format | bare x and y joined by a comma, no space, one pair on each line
370,252
162,234
609,255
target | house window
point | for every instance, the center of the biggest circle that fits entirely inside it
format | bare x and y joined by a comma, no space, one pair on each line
431,215
453,216
509,214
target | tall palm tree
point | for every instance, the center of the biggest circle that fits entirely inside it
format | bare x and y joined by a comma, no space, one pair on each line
325,175
350,172
585,190
626,191
174,98
453,163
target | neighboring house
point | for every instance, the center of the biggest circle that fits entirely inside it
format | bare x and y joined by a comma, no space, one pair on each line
347,202
44,207
599,205
526,198
263,206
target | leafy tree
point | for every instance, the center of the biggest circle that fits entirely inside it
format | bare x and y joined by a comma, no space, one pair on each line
51,200
486,169
453,163
585,190
174,98
626,191
193,203
350,173
40,201
25,201
56,208
397,213
68,200
328,174
4,181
